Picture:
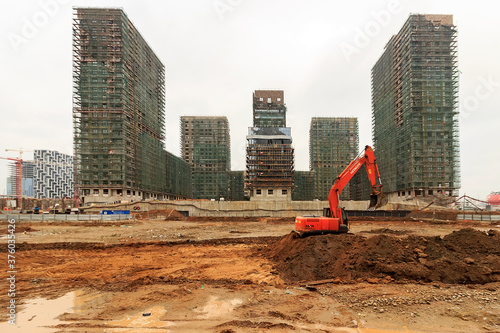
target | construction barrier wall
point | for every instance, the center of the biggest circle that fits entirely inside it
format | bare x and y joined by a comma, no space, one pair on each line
275,208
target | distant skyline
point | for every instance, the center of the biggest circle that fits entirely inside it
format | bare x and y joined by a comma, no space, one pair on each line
216,53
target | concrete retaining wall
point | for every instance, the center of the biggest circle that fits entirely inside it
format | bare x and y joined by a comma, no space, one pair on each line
240,208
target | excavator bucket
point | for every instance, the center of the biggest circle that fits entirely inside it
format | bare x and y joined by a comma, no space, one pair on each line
377,201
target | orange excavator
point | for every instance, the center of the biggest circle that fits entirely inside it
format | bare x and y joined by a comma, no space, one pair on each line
334,219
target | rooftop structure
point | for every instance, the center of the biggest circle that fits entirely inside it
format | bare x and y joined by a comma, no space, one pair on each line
269,108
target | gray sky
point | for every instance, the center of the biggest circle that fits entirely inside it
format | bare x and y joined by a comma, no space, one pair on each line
216,52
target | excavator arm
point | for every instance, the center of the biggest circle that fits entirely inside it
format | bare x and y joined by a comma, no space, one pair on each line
377,198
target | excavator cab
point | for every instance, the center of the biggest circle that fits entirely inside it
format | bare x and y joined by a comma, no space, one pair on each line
344,218
328,213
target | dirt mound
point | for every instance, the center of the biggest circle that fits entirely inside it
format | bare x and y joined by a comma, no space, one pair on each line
18,229
94,246
174,215
223,219
464,256
388,231
250,324
277,220
167,214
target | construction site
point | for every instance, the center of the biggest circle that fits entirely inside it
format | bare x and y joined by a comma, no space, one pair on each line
166,272
152,242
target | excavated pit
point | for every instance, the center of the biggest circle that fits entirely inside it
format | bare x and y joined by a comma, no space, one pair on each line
466,256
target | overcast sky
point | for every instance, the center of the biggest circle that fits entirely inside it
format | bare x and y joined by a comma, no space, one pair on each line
216,52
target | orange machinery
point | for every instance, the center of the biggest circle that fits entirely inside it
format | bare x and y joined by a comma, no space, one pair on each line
334,219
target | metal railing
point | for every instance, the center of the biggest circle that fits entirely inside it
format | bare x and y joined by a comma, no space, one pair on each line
477,217
65,217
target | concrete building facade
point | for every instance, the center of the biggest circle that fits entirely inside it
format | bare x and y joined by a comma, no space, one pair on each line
415,110
53,174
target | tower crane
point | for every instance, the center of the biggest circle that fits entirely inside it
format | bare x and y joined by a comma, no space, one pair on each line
19,177
18,162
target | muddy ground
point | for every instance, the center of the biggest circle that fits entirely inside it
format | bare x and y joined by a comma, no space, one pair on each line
254,275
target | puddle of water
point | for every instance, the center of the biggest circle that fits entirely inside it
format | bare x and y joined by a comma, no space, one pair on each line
140,323
215,308
39,313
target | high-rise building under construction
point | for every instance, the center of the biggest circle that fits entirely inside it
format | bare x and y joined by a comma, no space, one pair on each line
270,163
206,146
333,144
118,109
415,112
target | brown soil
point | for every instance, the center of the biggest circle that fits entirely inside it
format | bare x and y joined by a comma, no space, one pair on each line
168,214
464,256
245,275
23,229
387,231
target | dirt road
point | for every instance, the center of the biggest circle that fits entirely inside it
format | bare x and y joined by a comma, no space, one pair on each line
216,275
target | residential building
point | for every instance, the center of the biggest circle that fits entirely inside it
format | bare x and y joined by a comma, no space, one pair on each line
28,174
236,186
206,147
178,178
270,154
333,144
415,110
303,186
53,174
118,110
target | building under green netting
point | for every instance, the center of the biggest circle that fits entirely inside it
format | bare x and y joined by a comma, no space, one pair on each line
118,109
415,110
